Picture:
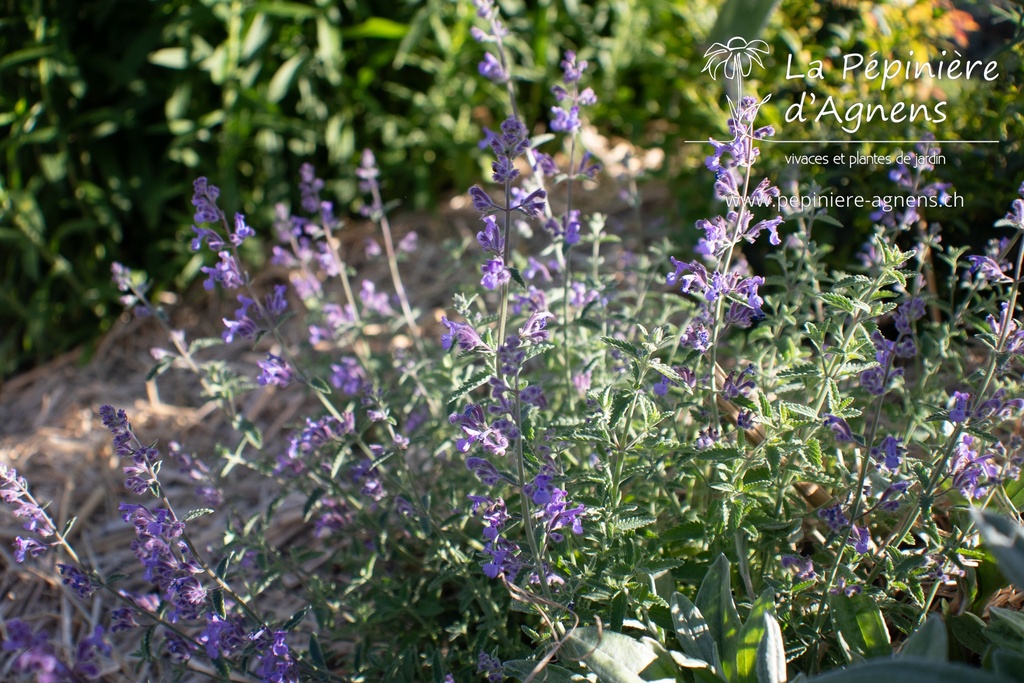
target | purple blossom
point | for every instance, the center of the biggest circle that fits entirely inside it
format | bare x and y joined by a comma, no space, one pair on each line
76,579
491,69
889,454
204,198
274,371
804,567
556,514
276,665
859,539
373,300
348,376
462,334
483,469
533,331
834,517
474,427
841,431
961,403
482,201
226,272
505,559
495,274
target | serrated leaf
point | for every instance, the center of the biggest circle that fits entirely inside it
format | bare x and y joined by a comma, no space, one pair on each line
204,343
474,382
624,346
813,452
801,370
619,405
667,371
801,410
839,301
517,276
197,513
633,523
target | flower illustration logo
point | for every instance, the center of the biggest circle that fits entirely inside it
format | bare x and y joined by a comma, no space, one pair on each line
735,58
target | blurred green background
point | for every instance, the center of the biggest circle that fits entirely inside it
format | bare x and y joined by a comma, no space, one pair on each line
110,108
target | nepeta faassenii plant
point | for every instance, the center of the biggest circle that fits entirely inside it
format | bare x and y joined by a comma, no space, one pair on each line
576,470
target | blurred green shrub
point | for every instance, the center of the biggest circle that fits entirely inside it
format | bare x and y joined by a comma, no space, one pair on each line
109,109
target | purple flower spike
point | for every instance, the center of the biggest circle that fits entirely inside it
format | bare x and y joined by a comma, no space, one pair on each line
275,371
840,428
462,334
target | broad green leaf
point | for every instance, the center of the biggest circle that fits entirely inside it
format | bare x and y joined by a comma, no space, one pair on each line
615,658
907,670
283,78
714,600
928,641
771,653
969,629
521,669
859,621
1006,628
376,27
750,637
743,18
170,57
692,631
1006,541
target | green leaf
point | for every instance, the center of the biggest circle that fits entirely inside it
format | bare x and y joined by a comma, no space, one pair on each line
1006,628
742,18
316,654
1006,542
692,631
907,670
377,27
859,621
283,78
714,600
170,57
632,523
320,385
549,673
477,380
771,653
843,303
517,277
928,641
624,346
969,629
750,637
217,598
294,620
197,513
615,658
